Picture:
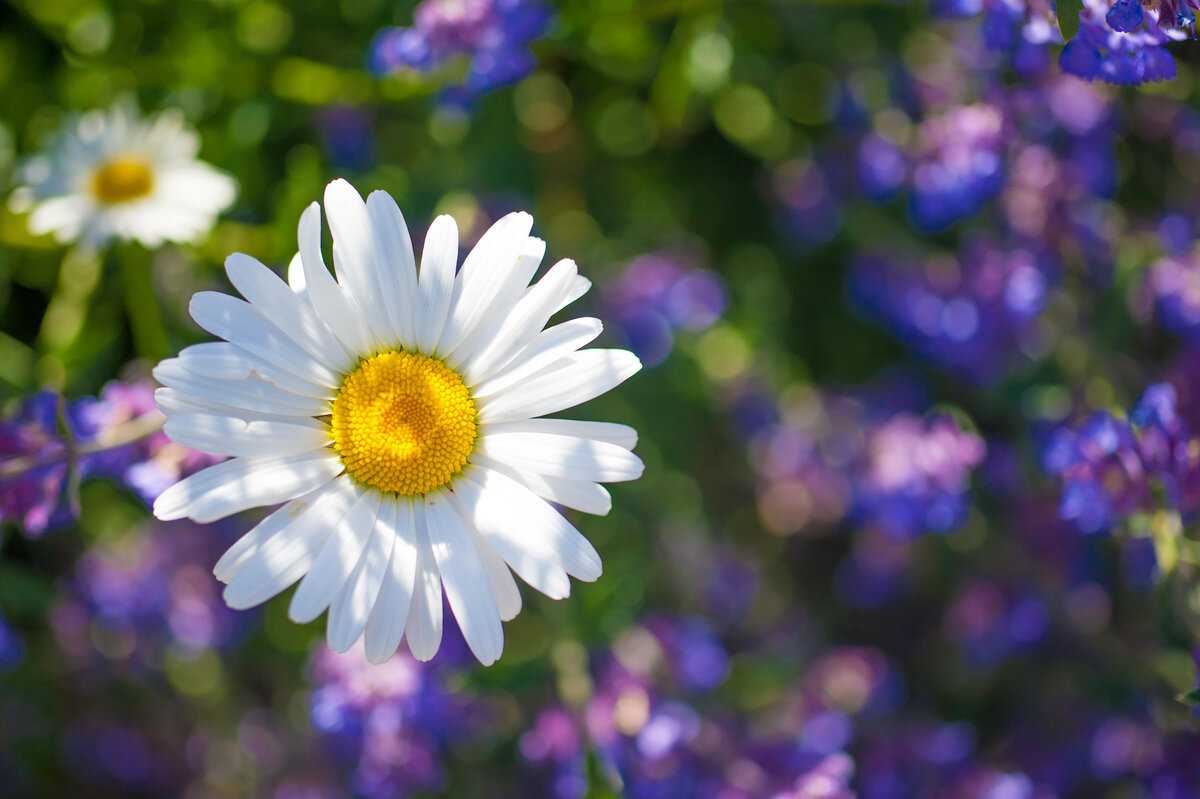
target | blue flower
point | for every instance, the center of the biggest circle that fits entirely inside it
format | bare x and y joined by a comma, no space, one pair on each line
1122,43
492,35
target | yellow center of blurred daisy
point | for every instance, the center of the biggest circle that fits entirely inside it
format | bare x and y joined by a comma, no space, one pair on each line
403,423
121,180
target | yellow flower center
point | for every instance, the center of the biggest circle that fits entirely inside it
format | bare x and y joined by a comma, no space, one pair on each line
403,423
122,179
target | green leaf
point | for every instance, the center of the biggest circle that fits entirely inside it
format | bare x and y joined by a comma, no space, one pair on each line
1068,16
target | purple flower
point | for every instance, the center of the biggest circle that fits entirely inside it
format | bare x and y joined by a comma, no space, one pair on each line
36,499
51,443
150,589
834,458
389,724
657,295
1110,468
1123,43
915,477
973,315
958,165
1024,29
661,745
1172,287
492,35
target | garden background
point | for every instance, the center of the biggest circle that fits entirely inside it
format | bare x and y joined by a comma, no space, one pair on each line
919,311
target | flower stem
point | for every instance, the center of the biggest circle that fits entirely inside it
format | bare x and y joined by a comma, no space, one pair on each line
142,304
129,432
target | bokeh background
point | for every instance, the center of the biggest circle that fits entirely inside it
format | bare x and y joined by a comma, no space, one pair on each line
920,316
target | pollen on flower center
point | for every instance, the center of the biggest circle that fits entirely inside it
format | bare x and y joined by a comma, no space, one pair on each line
121,180
403,423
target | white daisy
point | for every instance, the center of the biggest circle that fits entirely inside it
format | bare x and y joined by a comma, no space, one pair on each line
397,416
114,175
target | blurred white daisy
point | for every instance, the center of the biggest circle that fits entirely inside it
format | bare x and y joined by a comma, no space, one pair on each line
396,414
111,174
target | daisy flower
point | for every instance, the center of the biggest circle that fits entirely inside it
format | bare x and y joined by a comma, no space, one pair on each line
114,175
397,415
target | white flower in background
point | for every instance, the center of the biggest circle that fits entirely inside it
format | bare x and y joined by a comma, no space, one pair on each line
115,175
397,416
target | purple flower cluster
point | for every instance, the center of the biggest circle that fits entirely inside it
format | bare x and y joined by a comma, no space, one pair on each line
831,458
1171,287
1041,155
34,494
657,295
390,724
973,315
954,165
1022,29
52,443
915,474
1111,467
649,726
1124,41
492,35
152,589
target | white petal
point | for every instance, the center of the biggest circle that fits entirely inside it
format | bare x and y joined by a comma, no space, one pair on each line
289,555
620,434
580,287
243,483
337,559
500,579
237,555
424,624
250,393
395,266
578,378
352,607
172,402
497,312
464,579
267,292
330,300
224,435
223,360
354,256
548,348
523,324
564,457
385,627
578,494
435,288
295,278
484,280
239,323
529,549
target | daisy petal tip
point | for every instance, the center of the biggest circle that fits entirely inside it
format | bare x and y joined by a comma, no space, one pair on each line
589,574
340,190
444,221
234,599
339,645
302,609
378,655
169,508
